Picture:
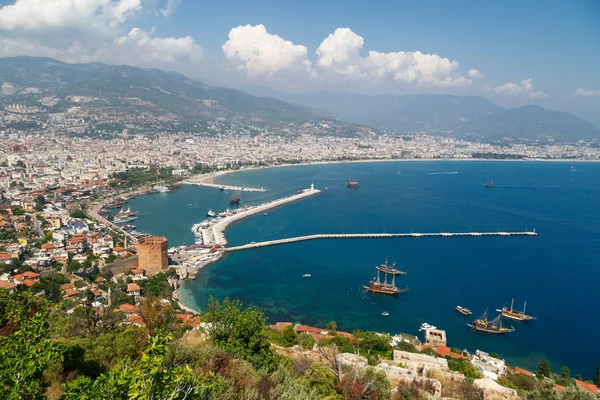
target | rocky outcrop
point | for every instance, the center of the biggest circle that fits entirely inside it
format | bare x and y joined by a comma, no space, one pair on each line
494,391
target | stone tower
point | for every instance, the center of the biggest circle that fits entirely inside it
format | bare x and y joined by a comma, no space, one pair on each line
152,254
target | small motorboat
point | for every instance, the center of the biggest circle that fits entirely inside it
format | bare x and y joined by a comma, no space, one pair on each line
385,313
265,214
463,310
326,188
425,326
307,276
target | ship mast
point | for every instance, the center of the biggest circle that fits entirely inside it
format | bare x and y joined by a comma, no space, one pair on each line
393,280
524,305
511,305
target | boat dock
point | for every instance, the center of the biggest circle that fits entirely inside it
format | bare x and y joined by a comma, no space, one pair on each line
374,236
217,230
221,186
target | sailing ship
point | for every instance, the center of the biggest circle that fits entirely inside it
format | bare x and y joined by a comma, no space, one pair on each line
353,183
377,286
494,326
463,310
515,314
235,199
390,270
489,184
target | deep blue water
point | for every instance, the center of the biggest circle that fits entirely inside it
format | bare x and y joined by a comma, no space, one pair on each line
557,272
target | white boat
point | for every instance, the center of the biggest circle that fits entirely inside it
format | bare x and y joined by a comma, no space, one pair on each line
211,213
425,326
385,313
265,214
307,276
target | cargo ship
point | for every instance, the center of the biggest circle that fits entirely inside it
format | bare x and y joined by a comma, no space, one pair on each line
494,326
511,313
353,183
377,286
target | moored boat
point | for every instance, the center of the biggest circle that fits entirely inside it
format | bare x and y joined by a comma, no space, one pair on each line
211,213
425,326
494,326
516,315
463,310
353,183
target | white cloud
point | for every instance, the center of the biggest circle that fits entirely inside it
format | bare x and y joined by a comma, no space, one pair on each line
170,7
586,93
260,53
525,88
340,46
36,15
339,57
473,73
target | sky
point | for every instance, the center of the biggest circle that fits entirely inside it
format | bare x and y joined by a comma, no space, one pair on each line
511,52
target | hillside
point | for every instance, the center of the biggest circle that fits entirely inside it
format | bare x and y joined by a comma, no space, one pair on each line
146,98
463,115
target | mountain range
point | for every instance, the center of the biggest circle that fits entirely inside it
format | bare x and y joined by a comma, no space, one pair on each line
159,93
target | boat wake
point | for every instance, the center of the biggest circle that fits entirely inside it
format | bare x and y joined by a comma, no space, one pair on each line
443,173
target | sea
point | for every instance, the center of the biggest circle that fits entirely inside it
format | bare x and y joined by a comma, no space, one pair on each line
557,272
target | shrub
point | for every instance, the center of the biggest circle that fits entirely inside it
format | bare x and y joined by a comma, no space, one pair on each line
306,341
464,367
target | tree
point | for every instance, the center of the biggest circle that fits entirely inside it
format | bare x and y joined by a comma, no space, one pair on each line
26,350
148,378
241,333
566,372
306,341
332,326
157,315
289,336
543,369
20,163
597,376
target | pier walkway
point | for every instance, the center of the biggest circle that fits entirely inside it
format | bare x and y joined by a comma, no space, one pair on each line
221,186
374,236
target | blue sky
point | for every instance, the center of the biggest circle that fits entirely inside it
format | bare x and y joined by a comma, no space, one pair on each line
523,52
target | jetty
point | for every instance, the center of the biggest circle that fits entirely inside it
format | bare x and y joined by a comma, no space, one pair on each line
217,230
374,236
208,181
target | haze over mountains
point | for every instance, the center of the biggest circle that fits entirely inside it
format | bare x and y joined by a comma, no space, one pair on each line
446,113
158,93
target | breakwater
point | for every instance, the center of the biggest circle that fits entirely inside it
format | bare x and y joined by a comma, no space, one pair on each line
374,236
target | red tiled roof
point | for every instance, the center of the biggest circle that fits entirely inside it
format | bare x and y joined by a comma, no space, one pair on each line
100,279
47,246
518,370
29,282
444,351
5,256
128,308
119,249
71,292
280,326
590,387
66,286
31,274
136,320
311,329
189,319
132,287
559,388
7,285
137,271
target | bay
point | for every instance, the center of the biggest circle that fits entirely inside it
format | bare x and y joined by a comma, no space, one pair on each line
557,272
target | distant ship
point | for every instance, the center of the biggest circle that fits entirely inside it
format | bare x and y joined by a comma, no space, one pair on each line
221,189
514,314
384,287
390,270
235,199
489,184
463,310
211,213
353,183
307,276
494,326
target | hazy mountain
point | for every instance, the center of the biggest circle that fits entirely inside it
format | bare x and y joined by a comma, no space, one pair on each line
160,92
441,113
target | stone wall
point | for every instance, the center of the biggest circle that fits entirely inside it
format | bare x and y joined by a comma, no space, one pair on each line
121,266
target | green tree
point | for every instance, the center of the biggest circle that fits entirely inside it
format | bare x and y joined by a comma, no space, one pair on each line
565,373
332,326
543,369
289,336
26,349
306,341
597,376
146,379
464,367
241,333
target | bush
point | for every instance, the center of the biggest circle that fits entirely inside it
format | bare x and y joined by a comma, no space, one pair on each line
464,367
306,341
519,381
406,346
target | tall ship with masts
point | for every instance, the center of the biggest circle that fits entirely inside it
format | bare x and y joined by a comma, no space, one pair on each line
515,314
494,326
235,199
379,286
353,183
385,268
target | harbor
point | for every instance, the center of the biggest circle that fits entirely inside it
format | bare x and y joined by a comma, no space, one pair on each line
374,236
208,181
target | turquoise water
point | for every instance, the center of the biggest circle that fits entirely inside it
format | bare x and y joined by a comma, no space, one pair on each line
557,272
